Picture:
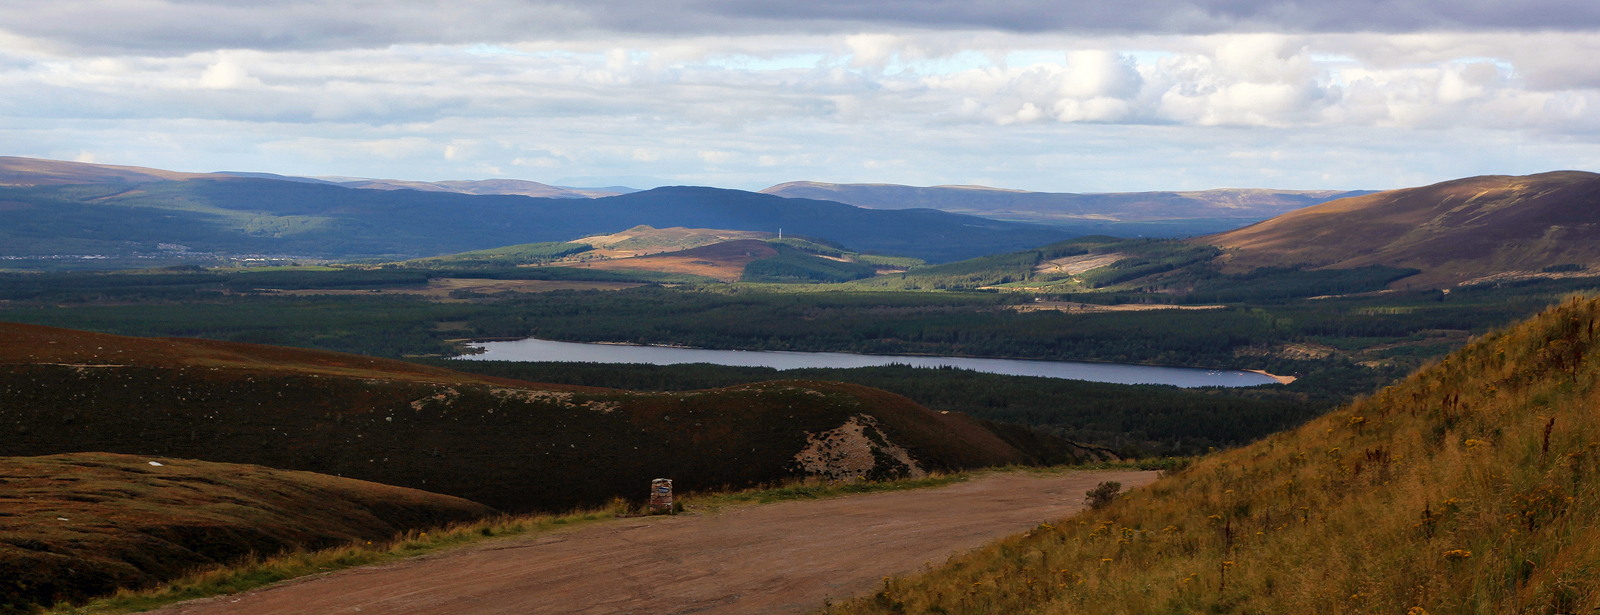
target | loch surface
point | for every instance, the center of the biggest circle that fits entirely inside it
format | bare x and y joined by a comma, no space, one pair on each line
545,350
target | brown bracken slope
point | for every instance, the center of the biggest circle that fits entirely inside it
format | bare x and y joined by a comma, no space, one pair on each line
1454,232
724,261
643,239
84,524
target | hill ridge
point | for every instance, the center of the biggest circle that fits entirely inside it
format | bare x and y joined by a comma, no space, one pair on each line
1062,207
1453,231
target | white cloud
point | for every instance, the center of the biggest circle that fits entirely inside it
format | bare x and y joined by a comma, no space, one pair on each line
952,107
1100,74
227,73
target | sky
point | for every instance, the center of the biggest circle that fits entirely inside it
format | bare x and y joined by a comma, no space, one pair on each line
1062,96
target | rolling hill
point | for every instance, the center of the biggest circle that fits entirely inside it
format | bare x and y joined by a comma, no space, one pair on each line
644,239
1467,488
140,217
728,256
1454,232
15,171
723,261
87,524
516,446
1223,206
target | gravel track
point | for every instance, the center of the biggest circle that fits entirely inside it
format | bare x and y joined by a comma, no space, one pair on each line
777,558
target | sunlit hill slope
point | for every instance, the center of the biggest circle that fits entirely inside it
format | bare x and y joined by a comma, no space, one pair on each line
1470,487
1456,231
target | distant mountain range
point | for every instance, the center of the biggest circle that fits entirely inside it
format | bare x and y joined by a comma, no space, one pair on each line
16,171
62,208
1068,208
1456,231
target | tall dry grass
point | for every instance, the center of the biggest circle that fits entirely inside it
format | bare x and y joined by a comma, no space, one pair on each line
1471,487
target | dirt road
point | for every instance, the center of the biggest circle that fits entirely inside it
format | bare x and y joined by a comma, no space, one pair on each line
778,558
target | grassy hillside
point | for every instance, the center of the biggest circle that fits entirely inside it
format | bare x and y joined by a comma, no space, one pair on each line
1468,488
513,445
86,524
645,239
748,260
1453,231
723,261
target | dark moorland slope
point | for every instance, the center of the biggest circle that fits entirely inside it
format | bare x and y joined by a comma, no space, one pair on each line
86,524
516,446
1470,487
1454,231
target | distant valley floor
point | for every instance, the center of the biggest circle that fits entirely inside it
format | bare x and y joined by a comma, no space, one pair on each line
779,558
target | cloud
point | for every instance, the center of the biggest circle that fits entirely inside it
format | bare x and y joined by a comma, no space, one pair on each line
1216,80
226,74
178,27
924,92
1185,17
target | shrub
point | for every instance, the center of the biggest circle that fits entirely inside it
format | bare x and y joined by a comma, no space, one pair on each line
1102,494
